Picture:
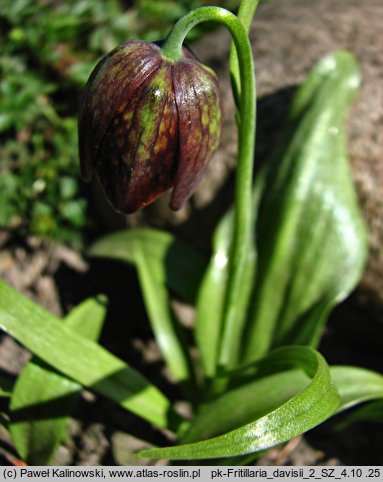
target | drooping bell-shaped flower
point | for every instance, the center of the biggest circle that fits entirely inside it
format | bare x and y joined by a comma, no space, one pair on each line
147,124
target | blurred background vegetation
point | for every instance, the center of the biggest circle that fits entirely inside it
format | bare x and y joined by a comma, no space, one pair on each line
47,50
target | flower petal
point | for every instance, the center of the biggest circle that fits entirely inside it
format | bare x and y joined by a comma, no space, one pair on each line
198,104
112,83
137,158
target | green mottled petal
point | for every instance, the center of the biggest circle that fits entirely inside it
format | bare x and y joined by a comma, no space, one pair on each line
136,160
110,86
198,104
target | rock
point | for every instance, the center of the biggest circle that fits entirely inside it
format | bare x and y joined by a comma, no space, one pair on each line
288,38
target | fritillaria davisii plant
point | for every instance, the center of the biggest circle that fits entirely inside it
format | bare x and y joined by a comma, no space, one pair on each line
291,248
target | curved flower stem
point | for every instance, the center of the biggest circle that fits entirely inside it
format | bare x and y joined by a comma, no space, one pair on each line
245,14
172,50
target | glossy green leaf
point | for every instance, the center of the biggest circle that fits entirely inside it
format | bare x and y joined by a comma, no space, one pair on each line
43,400
40,408
312,405
184,266
356,385
254,399
235,313
87,318
160,261
211,297
80,359
311,240
167,332
246,403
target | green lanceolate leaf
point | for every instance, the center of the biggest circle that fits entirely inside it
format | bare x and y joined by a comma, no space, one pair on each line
184,266
161,261
43,400
167,332
255,399
80,359
87,318
211,296
312,405
356,385
41,405
244,404
311,240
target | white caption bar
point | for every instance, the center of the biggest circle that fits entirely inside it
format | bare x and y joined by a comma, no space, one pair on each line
281,474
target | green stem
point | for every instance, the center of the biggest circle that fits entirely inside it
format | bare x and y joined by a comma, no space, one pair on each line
245,14
172,50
